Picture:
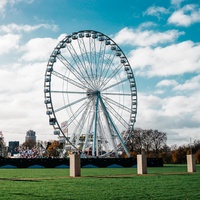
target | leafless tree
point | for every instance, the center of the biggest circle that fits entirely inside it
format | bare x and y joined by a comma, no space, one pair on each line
150,141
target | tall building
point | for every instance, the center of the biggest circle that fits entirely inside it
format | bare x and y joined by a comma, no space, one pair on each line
30,136
13,147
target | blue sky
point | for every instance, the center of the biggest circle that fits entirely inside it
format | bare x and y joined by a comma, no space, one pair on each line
160,39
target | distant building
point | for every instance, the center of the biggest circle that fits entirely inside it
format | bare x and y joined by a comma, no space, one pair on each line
30,136
1,144
13,147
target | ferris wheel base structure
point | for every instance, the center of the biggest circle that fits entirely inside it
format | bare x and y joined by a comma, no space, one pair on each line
90,94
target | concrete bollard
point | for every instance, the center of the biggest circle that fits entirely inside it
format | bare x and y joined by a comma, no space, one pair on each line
141,164
191,163
75,165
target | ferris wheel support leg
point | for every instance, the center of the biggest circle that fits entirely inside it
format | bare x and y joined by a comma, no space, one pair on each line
94,151
117,132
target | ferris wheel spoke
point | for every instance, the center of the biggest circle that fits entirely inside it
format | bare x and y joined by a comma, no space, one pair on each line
83,50
110,133
82,120
69,66
81,124
115,93
109,78
101,56
76,58
68,92
76,72
89,59
88,132
108,63
104,138
77,132
85,58
75,83
91,48
70,104
80,64
117,115
113,85
117,104
84,106
100,63
106,67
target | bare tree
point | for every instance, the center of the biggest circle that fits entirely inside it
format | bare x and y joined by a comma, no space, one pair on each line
151,141
159,139
146,140
134,141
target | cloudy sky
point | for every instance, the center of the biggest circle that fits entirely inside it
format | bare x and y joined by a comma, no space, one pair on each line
160,39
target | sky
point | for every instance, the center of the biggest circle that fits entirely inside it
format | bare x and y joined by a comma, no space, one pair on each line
159,37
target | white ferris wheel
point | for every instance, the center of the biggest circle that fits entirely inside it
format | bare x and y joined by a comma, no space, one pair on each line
90,94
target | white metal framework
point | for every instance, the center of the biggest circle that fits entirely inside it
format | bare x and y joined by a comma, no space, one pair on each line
90,93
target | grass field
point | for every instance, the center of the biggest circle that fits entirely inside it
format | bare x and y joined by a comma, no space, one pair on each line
168,182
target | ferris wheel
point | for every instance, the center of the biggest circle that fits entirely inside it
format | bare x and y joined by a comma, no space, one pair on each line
90,94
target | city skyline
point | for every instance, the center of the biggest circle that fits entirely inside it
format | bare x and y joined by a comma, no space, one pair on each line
159,38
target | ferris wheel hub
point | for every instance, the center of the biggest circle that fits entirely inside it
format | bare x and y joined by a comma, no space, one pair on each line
92,93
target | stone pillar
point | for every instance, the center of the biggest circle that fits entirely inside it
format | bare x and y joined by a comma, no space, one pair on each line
191,163
141,164
75,165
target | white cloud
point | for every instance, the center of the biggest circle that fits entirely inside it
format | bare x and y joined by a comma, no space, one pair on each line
9,42
144,38
166,83
4,3
169,114
151,101
189,85
186,16
148,109
175,59
147,25
21,92
181,108
159,92
11,28
21,101
176,106
38,49
184,134
176,2
156,11
21,77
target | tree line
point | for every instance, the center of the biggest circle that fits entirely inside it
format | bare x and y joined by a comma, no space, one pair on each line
151,142
154,144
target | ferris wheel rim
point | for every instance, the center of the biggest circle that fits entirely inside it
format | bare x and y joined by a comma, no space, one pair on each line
51,112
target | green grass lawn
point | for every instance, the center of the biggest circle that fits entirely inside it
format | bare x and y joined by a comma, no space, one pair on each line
168,182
